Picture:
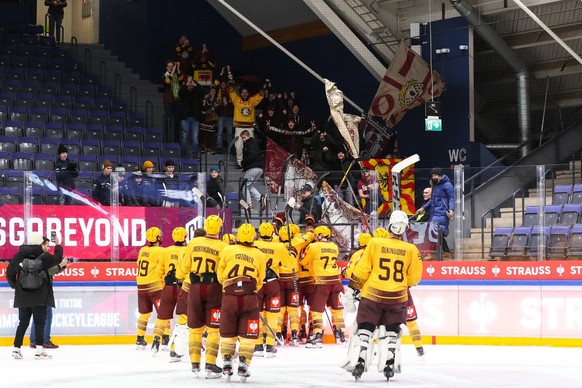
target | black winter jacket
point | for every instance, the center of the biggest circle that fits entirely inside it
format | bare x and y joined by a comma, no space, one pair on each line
44,296
66,172
252,155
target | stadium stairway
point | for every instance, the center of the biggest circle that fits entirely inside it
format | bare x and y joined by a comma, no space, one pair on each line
99,58
472,246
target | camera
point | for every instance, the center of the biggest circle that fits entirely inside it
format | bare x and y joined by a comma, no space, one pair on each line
53,236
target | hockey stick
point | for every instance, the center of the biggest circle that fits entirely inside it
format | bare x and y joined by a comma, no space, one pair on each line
229,148
282,343
246,208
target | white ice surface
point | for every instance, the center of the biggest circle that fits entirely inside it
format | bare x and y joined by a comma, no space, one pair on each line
112,366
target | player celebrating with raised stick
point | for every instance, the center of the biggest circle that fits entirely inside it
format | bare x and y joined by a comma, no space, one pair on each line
241,271
201,262
386,269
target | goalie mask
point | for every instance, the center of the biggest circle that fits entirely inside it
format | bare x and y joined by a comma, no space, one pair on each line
398,222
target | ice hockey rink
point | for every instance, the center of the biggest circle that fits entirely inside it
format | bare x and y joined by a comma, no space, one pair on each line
112,366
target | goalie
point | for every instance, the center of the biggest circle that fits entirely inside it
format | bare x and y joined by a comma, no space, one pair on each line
386,269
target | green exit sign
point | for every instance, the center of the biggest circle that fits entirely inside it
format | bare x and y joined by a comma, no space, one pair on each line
433,124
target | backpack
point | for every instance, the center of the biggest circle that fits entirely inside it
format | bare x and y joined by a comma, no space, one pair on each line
31,275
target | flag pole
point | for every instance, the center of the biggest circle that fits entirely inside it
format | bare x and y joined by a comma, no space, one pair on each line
287,52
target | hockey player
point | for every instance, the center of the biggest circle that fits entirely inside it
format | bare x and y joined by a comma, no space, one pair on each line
300,241
269,297
321,259
201,261
241,271
172,255
179,337
386,269
149,281
229,238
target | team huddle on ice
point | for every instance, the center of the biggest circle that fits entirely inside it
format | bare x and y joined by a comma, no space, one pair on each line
250,290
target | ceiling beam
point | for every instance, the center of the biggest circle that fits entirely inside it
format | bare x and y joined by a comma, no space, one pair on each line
286,35
538,70
538,37
347,37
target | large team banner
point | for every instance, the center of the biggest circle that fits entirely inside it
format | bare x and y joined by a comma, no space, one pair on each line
88,232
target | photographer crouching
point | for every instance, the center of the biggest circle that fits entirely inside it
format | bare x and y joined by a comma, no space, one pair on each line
28,275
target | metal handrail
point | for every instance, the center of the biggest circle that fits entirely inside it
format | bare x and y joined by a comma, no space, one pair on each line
149,115
522,203
102,73
75,49
87,58
117,85
490,211
46,22
133,99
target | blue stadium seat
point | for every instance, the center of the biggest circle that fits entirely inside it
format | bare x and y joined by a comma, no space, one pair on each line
13,128
19,113
576,194
83,102
519,242
571,214
39,113
72,77
134,134
79,116
54,130
59,115
75,130
10,86
118,118
95,131
49,145
131,148
13,179
531,251
28,86
37,63
189,166
130,163
552,214
98,117
114,132
102,103
5,161
34,74
72,145
531,216
86,90
118,105
43,100
17,73
53,75
7,99
112,147
85,180
9,196
22,161
34,129
62,102
151,149
171,150
68,89
44,162
135,119
49,87
90,147
24,99
27,144
7,144
87,163
561,194
558,242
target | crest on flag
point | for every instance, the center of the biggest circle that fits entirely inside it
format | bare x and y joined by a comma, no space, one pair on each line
409,82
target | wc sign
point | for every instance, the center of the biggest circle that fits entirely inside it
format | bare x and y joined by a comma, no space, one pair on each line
457,155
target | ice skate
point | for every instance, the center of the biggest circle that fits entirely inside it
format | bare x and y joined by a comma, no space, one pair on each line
175,357
340,337
280,338
270,351
195,368
156,344
227,367
213,371
358,370
315,342
165,342
259,351
140,343
16,354
294,340
243,370
302,336
42,356
420,352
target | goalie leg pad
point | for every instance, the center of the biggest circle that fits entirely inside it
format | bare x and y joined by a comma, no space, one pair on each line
349,363
180,339
389,348
348,300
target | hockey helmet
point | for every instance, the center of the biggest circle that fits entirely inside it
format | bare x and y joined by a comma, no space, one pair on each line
284,233
363,239
398,222
229,238
295,229
213,224
153,233
381,233
179,234
246,234
323,231
266,230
